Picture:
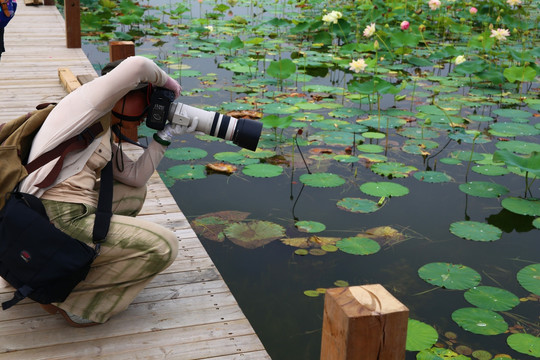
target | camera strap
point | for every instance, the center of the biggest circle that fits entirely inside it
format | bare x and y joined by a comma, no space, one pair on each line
116,130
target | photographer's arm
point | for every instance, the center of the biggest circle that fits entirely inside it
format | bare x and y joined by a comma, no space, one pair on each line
137,173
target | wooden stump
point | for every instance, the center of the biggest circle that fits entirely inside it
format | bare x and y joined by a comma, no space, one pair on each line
363,323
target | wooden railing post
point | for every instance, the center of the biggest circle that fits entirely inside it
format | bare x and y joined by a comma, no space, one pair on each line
119,50
72,10
363,323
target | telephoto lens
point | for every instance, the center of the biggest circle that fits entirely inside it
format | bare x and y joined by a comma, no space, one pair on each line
242,132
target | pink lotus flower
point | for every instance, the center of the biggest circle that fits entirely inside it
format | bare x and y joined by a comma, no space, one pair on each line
404,25
369,30
473,10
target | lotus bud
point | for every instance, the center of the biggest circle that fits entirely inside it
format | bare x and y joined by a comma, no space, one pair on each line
376,45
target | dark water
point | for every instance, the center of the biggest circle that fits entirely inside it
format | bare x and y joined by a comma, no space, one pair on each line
269,282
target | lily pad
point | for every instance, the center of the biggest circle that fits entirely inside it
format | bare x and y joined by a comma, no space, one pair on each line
322,180
518,146
512,113
262,170
432,176
490,170
525,343
211,225
529,278
393,169
383,188
187,172
420,336
310,226
357,205
449,276
384,235
480,321
536,223
358,246
483,189
491,298
529,163
522,206
234,158
370,148
513,129
373,135
185,153
477,231
436,353
254,234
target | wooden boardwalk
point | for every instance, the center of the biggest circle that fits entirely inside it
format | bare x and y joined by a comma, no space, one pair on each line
187,312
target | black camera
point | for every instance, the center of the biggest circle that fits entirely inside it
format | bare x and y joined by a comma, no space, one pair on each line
242,132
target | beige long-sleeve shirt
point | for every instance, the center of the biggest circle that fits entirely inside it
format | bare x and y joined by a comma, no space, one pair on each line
77,111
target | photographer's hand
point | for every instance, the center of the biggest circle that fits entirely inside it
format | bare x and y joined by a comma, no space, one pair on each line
174,86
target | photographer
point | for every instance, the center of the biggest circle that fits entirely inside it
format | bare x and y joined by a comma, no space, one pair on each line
135,250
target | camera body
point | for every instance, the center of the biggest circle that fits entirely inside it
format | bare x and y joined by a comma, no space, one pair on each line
162,109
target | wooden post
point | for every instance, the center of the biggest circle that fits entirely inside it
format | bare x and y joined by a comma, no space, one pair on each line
119,50
363,322
72,10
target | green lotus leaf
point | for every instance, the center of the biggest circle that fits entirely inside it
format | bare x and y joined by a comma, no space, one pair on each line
432,176
522,206
482,355
450,161
323,180
481,118
234,158
254,234
358,246
491,298
373,135
512,113
477,231
530,163
449,276
385,122
262,170
278,108
480,321
329,124
525,343
466,155
346,112
418,133
187,172
424,143
483,189
336,137
436,353
310,226
383,188
512,129
357,205
258,154
185,153
529,278
312,293
536,223
420,336
435,110
393,169
490,170
346,158
373,157
370,148
518,146
469,137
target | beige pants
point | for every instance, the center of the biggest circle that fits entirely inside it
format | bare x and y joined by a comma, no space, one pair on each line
133,253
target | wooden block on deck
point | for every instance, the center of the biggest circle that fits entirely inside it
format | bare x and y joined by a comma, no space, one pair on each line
83,79
363,322
68,79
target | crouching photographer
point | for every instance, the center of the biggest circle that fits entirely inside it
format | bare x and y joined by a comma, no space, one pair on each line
133,250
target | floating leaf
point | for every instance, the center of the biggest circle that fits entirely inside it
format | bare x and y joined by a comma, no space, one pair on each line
536,223
358,246
254,234
483,189
301,252
383,188
477,231
185,153
262,170
323,180
480,321
392,169
358,205
310,226
373,135
234,158
420,336
449,276
370,148
530,163
518,146
525,343
529,278
522,206
432,176
436,353
512,129
490,170
221,168
491,298
312,293
211,225
187,172
384,235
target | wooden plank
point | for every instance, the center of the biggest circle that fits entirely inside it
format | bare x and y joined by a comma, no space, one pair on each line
68,80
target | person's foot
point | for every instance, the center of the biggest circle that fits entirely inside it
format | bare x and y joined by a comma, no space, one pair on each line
71,319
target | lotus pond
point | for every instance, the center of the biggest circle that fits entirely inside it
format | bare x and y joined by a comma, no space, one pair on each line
401,147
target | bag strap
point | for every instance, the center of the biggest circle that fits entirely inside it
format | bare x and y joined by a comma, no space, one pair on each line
104,209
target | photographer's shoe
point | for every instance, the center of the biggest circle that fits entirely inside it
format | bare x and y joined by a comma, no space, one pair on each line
71,319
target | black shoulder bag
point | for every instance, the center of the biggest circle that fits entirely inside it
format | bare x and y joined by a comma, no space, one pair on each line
37,259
